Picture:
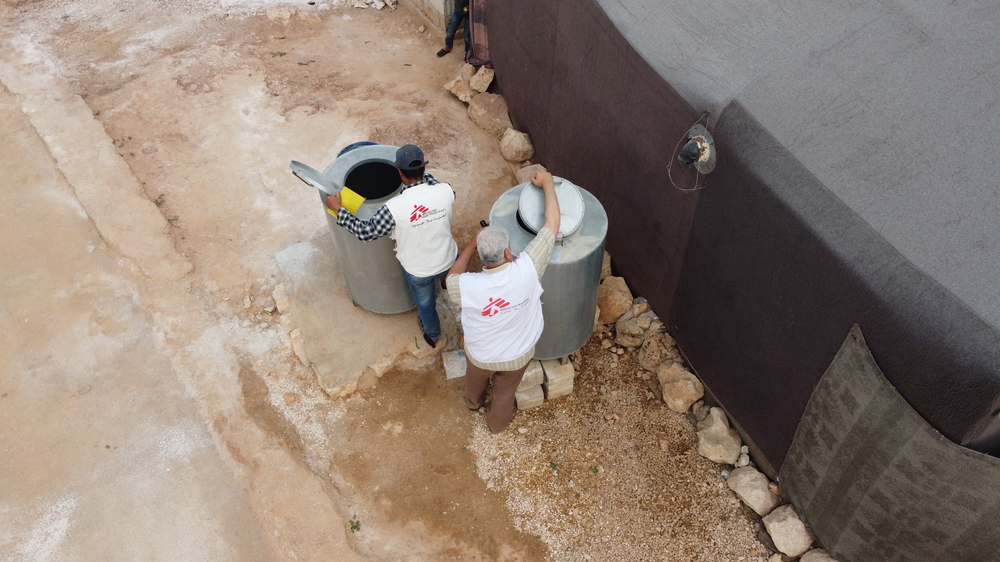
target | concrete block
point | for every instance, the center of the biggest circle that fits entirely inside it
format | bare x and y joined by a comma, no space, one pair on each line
556,371
533,376
558,389
454,364
530,398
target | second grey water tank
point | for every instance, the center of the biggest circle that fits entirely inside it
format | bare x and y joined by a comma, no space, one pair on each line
574,272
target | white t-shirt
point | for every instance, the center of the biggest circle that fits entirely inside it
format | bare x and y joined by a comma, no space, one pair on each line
502,311
424,245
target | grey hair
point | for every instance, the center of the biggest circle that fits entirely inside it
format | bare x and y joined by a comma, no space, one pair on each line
491,243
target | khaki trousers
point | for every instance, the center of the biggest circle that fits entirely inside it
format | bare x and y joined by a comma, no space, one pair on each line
502,405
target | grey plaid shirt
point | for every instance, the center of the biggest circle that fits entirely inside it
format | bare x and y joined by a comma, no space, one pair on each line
381,223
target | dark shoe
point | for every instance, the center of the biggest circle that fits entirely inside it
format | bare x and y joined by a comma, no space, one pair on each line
443,52
430,342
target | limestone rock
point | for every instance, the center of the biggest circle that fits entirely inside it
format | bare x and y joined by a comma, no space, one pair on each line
489,111
606,265
281,14
309,17
643,322
516,146
298,346
482,79
280,298
657,348
743,460
628,332
639,308
526,173
680,388
817,555
467,71
716,440
460,88
614,299
751,486
699,410
787,531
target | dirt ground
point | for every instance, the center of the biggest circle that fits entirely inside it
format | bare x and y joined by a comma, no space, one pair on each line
206,103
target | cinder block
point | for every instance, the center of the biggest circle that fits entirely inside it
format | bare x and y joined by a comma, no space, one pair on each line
556,371
531,398
454,364
533,376
557,389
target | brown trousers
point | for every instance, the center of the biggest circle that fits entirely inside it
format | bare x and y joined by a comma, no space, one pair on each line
502,405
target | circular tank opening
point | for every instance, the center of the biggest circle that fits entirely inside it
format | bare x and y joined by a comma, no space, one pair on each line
373,180
521,223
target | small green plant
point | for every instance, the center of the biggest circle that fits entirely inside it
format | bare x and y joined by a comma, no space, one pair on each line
595,470
465,448
159,201
173,220
278,53
554,466
355,524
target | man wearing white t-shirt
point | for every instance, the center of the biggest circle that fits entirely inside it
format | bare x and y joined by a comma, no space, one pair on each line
502,309
419,220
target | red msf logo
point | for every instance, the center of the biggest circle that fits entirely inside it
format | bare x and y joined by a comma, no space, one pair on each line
494,307
418,211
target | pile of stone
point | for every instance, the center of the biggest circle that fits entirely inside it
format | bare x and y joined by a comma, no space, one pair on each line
489,111
636,328
377,4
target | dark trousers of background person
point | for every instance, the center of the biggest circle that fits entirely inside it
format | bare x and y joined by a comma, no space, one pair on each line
457,17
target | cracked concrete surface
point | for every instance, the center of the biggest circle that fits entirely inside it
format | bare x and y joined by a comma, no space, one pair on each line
149,407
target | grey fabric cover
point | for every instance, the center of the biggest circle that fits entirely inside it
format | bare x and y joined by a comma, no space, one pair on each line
874,481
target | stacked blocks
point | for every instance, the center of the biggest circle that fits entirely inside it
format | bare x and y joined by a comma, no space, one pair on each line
558,378
529,393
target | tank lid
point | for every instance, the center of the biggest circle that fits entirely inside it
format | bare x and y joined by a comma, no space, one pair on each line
531,207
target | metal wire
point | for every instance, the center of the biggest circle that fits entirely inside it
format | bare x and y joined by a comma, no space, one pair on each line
673,158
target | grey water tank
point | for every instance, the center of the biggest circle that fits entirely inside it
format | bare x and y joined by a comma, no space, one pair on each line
371,271
574,272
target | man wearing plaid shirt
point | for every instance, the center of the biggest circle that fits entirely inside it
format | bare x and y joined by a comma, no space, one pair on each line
419,220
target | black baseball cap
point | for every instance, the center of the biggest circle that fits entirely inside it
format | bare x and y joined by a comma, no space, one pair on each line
410,157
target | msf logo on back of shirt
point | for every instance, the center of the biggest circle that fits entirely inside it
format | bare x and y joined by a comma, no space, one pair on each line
418,211
494,307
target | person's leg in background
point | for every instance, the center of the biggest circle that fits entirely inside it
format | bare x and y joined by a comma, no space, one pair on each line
457,16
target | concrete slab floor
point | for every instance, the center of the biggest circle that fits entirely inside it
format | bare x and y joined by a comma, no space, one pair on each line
149,407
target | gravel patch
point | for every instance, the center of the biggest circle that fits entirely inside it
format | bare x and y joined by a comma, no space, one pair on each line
610,473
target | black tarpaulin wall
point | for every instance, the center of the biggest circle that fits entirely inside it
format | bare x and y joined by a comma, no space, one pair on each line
760,274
